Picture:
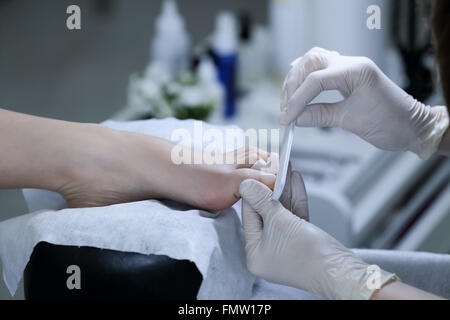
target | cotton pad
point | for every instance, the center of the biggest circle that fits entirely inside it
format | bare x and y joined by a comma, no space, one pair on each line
259,165
286,147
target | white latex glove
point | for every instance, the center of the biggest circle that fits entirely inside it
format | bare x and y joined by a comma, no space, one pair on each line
374,108
284,248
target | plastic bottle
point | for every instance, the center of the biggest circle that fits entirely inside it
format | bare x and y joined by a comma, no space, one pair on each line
207,77
291,23
254,59
225,53
170,45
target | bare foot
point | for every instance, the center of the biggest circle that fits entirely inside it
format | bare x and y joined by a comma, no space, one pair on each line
107,167
217,186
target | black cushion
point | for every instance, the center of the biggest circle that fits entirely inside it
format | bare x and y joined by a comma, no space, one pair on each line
108,274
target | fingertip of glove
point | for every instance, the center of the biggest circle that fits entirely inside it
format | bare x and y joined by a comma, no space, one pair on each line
296,178
251,189
284,99
245,186
284,121
296,174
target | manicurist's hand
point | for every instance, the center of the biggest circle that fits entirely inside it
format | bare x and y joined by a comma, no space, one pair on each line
284,248
91,165
374,108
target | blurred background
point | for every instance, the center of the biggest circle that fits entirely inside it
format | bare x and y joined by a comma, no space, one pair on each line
224,62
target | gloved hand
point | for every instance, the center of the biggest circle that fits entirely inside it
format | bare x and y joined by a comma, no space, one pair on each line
374,108
284,248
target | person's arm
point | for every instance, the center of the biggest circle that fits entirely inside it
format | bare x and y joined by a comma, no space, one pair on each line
374,107
283,248
91,165
397,290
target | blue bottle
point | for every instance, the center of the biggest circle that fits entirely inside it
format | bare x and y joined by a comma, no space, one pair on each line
225,56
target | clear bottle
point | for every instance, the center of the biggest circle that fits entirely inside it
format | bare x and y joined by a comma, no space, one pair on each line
170,45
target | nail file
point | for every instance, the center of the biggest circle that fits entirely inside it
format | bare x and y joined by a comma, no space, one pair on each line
286,147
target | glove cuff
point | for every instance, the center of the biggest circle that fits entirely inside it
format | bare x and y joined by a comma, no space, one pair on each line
362,281
373,280
430,143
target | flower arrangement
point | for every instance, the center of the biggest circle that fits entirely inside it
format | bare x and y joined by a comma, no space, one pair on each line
157,94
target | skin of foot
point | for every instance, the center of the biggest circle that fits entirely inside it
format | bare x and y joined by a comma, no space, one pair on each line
92,165
116,167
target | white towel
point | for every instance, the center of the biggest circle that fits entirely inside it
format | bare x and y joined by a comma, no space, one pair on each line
213,242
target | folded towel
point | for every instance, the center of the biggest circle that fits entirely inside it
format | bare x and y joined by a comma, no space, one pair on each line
214,242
